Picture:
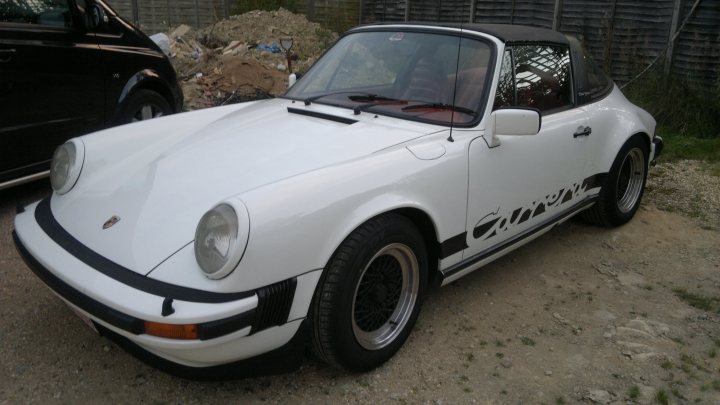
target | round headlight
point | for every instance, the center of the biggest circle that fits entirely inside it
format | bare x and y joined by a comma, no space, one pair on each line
217,246
66,166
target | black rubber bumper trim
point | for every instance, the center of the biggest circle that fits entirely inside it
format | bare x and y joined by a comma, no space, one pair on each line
93,307
207,330
284,359
658,142
48,223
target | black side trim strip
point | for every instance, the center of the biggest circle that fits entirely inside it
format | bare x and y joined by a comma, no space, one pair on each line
456,244
504,245
324,116
46,220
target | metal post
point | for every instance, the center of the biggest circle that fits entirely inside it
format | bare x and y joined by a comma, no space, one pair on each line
671,39
473,5
135,13
407,10
197,14
557,15
169,13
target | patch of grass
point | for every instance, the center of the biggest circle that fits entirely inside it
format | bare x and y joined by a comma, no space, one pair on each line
678,105
677,394
661,397
679,147
527,341
470,357
698,301
712,354
499,355
467,389
559,401
634,392
667,364
503,392
499,343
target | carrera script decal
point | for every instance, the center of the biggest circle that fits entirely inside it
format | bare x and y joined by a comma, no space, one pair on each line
493,223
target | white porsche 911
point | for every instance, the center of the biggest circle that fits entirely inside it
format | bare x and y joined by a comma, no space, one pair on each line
222,242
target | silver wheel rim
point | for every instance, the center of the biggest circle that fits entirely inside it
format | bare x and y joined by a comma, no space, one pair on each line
388,285
630,180
146,112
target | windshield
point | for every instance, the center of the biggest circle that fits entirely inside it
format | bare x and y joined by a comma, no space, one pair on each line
414,75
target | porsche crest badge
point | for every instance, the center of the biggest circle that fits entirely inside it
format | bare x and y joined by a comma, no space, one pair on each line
110,222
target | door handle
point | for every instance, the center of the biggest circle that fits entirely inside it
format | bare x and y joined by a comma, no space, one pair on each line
583,132
6,54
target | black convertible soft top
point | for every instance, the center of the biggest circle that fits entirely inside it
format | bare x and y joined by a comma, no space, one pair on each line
505,32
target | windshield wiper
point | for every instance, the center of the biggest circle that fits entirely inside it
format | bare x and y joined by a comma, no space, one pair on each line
358,97
440,106
377,101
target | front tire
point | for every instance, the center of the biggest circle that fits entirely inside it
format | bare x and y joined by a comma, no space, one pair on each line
624,186
369,296
143,105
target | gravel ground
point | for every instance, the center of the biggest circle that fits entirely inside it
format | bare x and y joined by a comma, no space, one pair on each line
581,315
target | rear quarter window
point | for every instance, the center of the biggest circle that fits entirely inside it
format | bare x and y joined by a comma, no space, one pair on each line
537,76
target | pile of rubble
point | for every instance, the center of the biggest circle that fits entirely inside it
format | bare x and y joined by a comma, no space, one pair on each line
240,58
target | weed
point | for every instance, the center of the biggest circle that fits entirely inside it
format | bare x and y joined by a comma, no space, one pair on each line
634,392
559,401
499,355
499,343
667,364
467,389
698,301
470,357
527,341
677,394
712,354
661,397
503,392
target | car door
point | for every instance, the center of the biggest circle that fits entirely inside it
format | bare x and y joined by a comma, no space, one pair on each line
527,181
51,86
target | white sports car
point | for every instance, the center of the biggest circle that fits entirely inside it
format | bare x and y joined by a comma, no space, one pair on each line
222,242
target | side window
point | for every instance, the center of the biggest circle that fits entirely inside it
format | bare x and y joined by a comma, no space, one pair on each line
54,13
598,82
542,77
505,95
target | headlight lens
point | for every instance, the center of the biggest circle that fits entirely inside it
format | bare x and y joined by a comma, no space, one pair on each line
66,166
216,241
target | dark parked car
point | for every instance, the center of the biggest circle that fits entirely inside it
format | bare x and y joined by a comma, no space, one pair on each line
67,68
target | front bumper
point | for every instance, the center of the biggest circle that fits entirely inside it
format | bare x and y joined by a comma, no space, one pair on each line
252,335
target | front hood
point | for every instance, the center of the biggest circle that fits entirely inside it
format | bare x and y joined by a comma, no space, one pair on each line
168,172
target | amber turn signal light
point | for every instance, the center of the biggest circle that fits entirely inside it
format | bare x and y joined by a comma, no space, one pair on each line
170,331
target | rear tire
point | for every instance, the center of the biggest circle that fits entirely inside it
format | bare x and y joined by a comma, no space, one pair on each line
624,186
143,105
369,296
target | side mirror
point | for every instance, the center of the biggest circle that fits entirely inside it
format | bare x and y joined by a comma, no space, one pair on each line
513,122
95,17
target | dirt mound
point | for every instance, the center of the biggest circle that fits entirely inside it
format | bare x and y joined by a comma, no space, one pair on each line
239,58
